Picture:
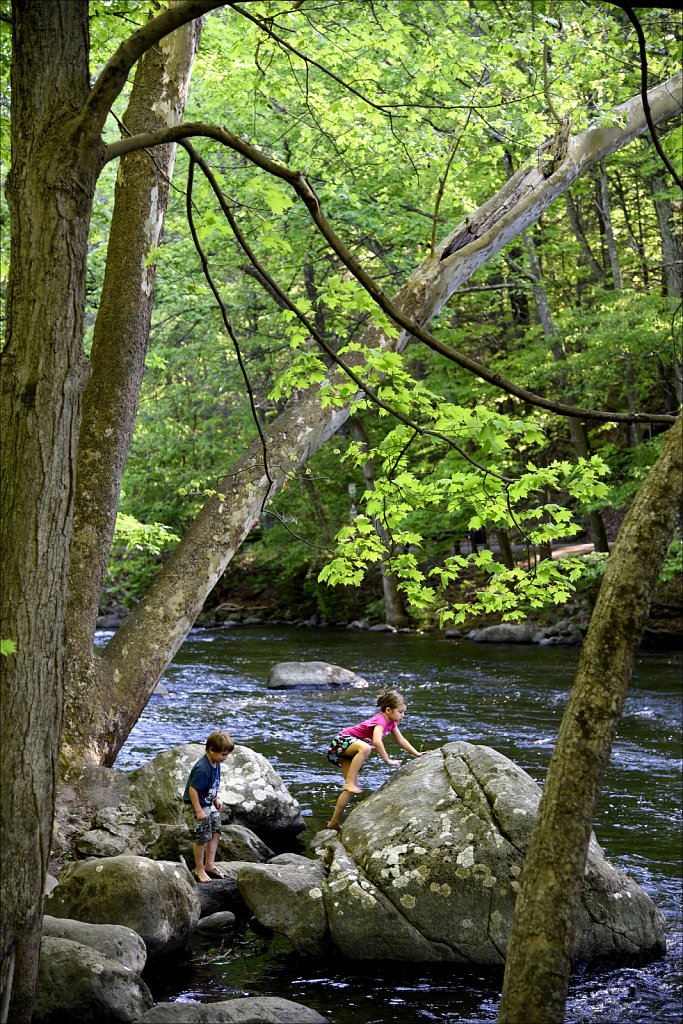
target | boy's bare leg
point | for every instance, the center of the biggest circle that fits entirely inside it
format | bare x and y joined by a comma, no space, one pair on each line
199,850
211,848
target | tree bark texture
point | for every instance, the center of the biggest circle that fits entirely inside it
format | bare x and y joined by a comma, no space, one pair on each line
395,613
577,429
49,191
672,243
542,939
118,357
144,645
672,273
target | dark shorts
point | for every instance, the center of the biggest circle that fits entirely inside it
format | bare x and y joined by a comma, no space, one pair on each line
201,831
338,747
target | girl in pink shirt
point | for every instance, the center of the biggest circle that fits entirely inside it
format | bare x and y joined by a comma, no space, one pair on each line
351,747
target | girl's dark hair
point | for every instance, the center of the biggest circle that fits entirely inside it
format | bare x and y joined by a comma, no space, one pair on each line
389,699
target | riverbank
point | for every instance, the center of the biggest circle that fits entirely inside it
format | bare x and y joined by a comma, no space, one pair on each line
246,596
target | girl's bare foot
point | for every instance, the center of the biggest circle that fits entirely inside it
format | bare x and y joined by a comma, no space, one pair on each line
334,828
350,788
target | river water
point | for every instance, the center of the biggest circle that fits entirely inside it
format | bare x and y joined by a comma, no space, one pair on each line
505,696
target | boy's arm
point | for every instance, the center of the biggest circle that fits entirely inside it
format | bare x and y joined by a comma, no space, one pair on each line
378,744
199,812
403,742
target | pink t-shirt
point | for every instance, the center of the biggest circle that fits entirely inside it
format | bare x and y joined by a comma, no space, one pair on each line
364,730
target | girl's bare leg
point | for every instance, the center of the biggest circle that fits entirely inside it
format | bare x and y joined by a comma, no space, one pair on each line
350,766
343,799
358,753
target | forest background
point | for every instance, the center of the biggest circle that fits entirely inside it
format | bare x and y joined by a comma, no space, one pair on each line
228,311
583,308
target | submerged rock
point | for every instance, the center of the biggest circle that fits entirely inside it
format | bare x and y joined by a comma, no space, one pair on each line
292,675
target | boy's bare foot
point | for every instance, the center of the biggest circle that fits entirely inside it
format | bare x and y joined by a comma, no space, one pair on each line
350,788
334,828
201,876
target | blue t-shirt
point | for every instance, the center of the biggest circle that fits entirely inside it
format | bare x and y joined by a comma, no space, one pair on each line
205,777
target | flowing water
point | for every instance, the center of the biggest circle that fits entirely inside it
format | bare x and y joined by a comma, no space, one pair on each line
504,696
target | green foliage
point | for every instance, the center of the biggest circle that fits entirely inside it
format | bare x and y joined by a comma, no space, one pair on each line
134,557
594,565
672,567
387,131
7,647
469,495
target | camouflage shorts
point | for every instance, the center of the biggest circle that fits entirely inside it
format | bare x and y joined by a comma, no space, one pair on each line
201,831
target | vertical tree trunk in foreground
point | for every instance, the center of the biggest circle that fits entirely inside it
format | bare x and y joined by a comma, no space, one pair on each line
540,950
49,191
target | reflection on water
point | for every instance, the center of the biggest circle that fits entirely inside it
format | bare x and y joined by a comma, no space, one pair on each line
504,696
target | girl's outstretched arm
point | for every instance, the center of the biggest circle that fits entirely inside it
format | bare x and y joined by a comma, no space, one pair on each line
378,744
403,742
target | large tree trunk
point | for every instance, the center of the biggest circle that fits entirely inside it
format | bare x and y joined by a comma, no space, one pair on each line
672,274
57,154
131,664
542,940
118,358
395,613
44,371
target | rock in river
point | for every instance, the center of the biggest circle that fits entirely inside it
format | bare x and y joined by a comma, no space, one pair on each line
312,675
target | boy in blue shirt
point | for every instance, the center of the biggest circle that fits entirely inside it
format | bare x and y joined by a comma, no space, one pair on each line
201,805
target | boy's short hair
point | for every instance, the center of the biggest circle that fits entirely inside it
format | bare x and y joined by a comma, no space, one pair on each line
219,742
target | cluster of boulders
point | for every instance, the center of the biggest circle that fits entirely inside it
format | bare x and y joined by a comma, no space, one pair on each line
425,869
564,632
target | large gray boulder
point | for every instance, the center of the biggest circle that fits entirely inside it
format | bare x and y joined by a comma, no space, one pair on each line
312,675
112,940
78,984
156,899
252,792
427,868
286,896
252,1010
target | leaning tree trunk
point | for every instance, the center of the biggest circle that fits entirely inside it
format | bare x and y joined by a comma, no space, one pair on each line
118,359
134,659
49,191
542,940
